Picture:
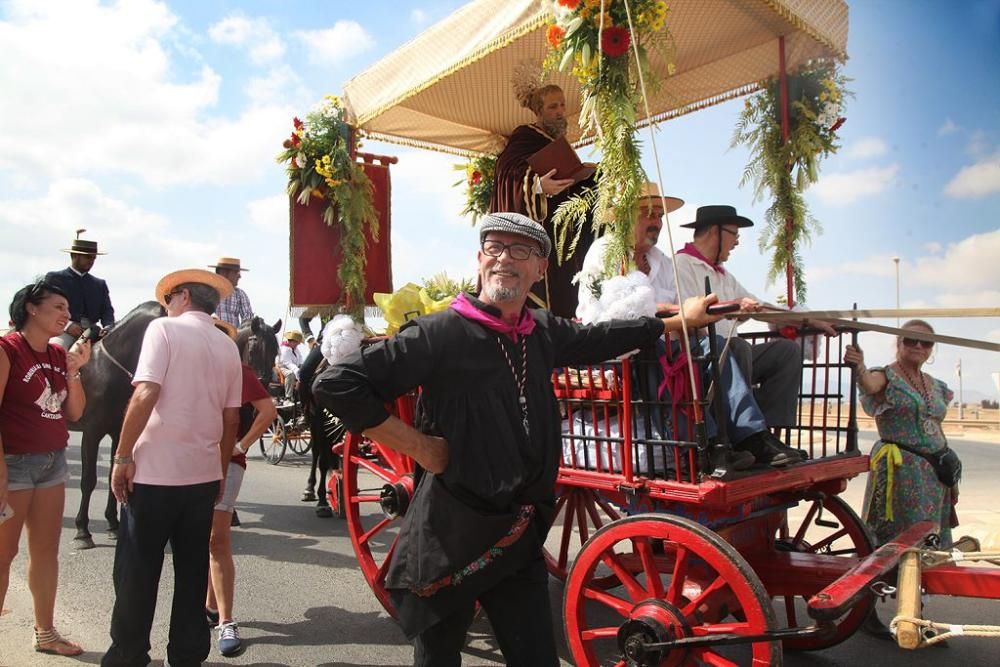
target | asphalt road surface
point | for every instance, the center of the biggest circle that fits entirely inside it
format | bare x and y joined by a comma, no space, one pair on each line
301,600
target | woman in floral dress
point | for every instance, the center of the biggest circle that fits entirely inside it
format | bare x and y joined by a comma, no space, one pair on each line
908,406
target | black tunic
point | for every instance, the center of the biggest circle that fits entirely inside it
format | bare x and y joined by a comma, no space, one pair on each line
88,296
469,397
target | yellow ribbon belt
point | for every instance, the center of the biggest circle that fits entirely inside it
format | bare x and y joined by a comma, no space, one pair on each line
893,456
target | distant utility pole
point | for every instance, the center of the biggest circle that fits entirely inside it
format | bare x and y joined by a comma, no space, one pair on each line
896,261
961,400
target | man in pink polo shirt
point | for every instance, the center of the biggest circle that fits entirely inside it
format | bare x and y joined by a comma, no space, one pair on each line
176,441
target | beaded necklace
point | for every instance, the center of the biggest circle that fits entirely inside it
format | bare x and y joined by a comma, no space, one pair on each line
929,425
522,400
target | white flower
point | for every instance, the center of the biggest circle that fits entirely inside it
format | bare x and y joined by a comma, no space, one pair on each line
341,338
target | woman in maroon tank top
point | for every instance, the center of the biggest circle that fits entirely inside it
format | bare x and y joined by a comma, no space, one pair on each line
40,390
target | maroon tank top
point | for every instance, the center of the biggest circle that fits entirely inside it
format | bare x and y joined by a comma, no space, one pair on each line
31,416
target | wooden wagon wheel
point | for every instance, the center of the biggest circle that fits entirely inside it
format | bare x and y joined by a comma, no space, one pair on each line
836,531
274,440
577,508
375,502
690,583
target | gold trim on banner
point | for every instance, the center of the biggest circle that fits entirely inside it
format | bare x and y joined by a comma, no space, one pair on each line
797,22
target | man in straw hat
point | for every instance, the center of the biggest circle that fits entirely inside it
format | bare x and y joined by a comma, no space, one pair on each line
775,366
517,188
290,358
489,444
88,295
746,425
235,308
176,442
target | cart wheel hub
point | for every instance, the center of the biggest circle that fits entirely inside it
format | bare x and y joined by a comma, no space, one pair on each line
395,498
651,622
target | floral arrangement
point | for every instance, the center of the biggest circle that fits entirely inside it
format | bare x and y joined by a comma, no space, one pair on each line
595,39
617,297
783,170
320,164
341,337
478,184
411,301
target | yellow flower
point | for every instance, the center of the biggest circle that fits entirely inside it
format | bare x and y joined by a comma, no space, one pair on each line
585,13
592,4
661,9
657,25
607,20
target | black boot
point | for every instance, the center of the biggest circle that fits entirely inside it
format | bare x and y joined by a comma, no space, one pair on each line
768,450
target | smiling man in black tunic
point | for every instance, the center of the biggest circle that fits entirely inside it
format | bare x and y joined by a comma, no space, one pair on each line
488,439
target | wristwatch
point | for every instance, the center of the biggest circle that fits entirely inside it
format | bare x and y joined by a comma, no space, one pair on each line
122,460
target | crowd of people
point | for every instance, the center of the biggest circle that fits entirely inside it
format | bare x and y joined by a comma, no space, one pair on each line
487,438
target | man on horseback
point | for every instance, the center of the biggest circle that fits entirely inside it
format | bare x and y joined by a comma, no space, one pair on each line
89,298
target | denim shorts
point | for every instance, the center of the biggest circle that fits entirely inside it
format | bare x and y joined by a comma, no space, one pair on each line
234,480
36,471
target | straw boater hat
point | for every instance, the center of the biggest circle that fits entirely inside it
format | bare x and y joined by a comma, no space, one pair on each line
717,215
224,326
515,223
232,263
82,247
650,197
169,282
294,335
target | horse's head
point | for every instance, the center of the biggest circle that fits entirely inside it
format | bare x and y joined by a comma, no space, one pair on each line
258,343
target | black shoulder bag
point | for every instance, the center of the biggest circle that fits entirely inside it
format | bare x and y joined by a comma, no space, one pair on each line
947,466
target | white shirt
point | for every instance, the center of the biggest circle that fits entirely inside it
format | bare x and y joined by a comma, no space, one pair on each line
693,271
661,275
290,359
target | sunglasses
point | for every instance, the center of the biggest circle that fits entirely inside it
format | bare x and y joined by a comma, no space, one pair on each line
913,342
169,295
518,251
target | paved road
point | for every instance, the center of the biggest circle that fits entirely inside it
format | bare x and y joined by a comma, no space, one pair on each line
301,600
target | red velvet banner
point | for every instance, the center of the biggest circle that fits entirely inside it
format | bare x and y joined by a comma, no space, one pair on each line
315,249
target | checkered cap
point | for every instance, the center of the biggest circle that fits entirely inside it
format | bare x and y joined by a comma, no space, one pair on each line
515,223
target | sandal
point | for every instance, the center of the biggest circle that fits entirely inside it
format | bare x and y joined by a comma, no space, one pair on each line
51,642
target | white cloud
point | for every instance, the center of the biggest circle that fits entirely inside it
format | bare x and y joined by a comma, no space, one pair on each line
933,247
976,180
418,17
866,147
134,109
263,44
949,127
847,187
269,212
331,46
280,83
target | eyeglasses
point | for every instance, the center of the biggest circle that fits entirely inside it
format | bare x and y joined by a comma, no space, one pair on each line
734,232
913,342
169,295
518,251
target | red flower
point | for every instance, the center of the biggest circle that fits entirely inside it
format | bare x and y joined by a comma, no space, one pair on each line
569,4
615,41
476,177
790,332
836,126
554,35
295,139
297,123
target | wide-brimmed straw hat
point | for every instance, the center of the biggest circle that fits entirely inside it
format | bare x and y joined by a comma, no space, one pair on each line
224,326
707,216
169,283
232,263
294,335
650,197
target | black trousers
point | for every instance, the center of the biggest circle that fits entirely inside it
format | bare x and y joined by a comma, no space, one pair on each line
520,613
154,516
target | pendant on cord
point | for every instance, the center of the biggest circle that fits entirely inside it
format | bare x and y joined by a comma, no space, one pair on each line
523,402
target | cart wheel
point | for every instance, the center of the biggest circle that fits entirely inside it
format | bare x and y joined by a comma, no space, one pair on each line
838,532
273,441
690,581
580,509
378,485
299,439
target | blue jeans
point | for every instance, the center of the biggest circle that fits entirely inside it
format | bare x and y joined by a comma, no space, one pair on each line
36,471
154,516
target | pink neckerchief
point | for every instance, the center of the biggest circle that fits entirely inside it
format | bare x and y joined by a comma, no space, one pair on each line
525,324
690,249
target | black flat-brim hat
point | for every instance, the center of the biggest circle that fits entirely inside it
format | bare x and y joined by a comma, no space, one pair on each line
81,247
707,216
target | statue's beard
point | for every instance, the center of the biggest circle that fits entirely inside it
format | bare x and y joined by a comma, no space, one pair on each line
555,128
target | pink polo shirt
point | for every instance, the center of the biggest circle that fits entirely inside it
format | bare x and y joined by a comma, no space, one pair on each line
199,373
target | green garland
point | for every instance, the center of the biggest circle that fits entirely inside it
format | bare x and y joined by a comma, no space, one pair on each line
320,166
478,183
782,171
600,49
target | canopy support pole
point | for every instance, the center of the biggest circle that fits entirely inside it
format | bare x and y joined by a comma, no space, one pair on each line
783,102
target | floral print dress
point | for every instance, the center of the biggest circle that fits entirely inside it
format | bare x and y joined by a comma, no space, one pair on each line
902,415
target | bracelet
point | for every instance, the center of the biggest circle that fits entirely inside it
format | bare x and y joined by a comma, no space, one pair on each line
122,460
238,447
74,376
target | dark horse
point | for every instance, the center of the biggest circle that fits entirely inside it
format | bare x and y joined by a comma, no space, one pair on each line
107,381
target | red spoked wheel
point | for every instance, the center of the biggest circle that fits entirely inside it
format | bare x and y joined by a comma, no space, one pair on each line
579,513
378,485
828,527
689,584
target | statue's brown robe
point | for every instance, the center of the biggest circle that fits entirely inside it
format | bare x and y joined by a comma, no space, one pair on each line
513,191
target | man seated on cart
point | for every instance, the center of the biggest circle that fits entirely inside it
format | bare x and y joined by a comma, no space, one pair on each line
775,366
488,439
746,426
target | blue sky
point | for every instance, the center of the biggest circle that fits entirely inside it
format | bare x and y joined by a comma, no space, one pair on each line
154,125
